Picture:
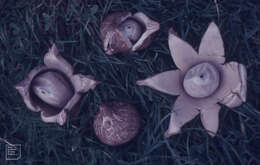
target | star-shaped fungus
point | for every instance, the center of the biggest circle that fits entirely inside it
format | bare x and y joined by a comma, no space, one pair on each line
53,89
202,81
127,32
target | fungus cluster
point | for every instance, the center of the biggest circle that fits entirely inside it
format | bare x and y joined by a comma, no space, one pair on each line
202,81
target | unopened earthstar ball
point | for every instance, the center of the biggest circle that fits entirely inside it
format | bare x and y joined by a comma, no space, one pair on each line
116,123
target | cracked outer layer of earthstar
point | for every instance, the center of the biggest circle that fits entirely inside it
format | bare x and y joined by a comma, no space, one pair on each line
116,123
202,81
53,89
126,32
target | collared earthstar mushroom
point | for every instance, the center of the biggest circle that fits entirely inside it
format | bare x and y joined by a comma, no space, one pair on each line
125,32
53,89
202,81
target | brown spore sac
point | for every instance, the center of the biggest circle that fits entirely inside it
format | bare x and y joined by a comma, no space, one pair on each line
52,88
131,29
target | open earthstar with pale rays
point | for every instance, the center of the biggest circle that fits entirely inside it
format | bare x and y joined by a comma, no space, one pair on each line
201,81
53,89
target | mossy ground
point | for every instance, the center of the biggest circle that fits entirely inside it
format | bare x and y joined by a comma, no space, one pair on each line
29,27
